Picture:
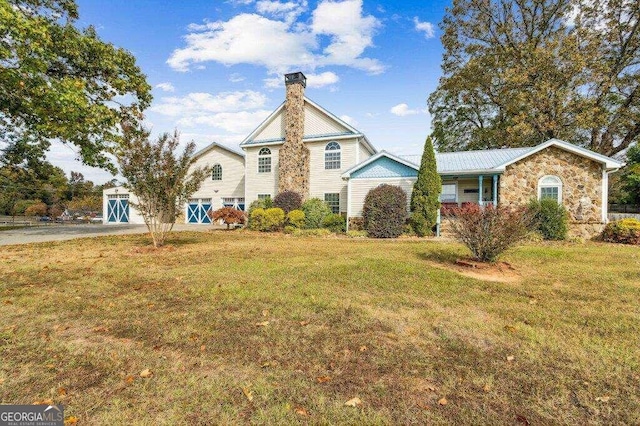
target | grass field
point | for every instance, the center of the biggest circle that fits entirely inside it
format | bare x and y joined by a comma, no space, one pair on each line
243,328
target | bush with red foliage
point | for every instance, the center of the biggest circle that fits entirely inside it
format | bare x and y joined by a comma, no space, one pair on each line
488,231
288,201
228,215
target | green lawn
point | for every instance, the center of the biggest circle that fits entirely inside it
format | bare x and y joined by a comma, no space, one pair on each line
245,328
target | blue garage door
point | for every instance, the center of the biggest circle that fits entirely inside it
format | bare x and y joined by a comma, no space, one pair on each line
197,210
118,208
236,203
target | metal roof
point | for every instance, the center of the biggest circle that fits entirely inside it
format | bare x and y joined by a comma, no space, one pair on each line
471,161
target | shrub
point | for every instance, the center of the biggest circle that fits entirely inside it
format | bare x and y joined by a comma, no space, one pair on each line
256,218
289,229
315,210
317,232
37,209
425,197
385,211
489,231
625,231
419,225
295,218
228,215
264,203
288,201
273,220
335,223
550,218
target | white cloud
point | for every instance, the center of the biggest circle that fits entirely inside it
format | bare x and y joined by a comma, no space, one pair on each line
200,103
236,78
239,122
281,43
289,10
349,120
235,112
246,38
426,27
351,33
402,110
166,87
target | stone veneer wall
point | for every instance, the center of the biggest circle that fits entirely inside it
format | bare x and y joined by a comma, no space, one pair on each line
294,169
581,186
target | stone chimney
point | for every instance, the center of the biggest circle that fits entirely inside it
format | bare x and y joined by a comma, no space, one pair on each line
293,169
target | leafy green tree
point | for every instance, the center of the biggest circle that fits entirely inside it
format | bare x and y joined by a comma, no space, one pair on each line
161,179
61,82
425,197
630,178
519,72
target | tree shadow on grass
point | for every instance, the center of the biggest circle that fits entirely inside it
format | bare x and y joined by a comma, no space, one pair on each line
442,254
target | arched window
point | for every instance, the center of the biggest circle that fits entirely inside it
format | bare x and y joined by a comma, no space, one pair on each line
264,160
216,172
550,187
332,156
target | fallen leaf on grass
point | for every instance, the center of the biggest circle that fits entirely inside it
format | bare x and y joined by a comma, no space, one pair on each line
323,379
354,402
262,324
431,388
248,394
203,348
265,312
8,302
510,358
486,388
129,379
522,419
71,420
443,401
146,373
510,328
303,323
44,402
62,392
603,398
301,411
363,348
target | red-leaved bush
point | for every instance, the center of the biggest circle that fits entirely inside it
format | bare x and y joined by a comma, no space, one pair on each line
488,231
228,215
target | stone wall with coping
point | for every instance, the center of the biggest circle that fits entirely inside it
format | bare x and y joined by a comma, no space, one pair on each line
294,170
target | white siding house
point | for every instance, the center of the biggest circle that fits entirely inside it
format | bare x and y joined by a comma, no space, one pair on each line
323,133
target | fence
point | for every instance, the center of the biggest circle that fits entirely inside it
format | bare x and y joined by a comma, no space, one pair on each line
624,208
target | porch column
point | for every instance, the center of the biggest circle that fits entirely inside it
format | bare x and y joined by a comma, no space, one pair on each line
495,190
480,189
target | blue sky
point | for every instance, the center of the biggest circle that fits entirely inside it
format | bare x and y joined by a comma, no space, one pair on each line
217,66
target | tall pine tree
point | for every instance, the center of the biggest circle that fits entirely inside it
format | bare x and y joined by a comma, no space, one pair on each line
425,197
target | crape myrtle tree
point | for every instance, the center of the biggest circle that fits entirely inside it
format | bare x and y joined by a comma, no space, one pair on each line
61,82
518,72
161,179
425,197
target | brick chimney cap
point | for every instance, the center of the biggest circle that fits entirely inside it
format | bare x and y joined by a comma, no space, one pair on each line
295,77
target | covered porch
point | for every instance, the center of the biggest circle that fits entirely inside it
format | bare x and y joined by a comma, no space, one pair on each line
458,190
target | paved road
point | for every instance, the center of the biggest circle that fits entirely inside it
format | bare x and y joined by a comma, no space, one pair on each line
56,232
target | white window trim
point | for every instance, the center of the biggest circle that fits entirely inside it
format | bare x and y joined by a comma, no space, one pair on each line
339,151
558,185
212,170
269,156
455,184
324,194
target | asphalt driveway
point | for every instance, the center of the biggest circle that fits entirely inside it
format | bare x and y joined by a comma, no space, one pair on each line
57,232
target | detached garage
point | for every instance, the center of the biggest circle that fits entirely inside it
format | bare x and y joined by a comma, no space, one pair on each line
117,208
